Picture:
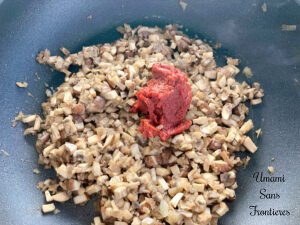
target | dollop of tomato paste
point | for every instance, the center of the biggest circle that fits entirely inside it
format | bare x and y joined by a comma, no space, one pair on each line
164,101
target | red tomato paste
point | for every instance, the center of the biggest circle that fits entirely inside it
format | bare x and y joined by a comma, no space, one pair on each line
165,101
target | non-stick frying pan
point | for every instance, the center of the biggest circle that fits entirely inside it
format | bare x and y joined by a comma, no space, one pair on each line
28,26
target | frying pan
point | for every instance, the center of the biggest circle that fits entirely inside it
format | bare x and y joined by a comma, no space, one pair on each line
245,32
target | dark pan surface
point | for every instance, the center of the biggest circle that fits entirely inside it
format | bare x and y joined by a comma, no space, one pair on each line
244,31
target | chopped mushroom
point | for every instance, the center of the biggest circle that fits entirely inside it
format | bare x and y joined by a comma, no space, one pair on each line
90,137
175,200
256,101
48,208
163,183
48,196
222,209
247,127
227,111
164,208
97,221
249,144
65,51
61,197
36,171
247,72
80,199
271,169
22,84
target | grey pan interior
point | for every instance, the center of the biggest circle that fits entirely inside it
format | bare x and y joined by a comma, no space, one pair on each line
244,31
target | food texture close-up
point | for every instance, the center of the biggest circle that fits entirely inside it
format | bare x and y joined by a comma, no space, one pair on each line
127,112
